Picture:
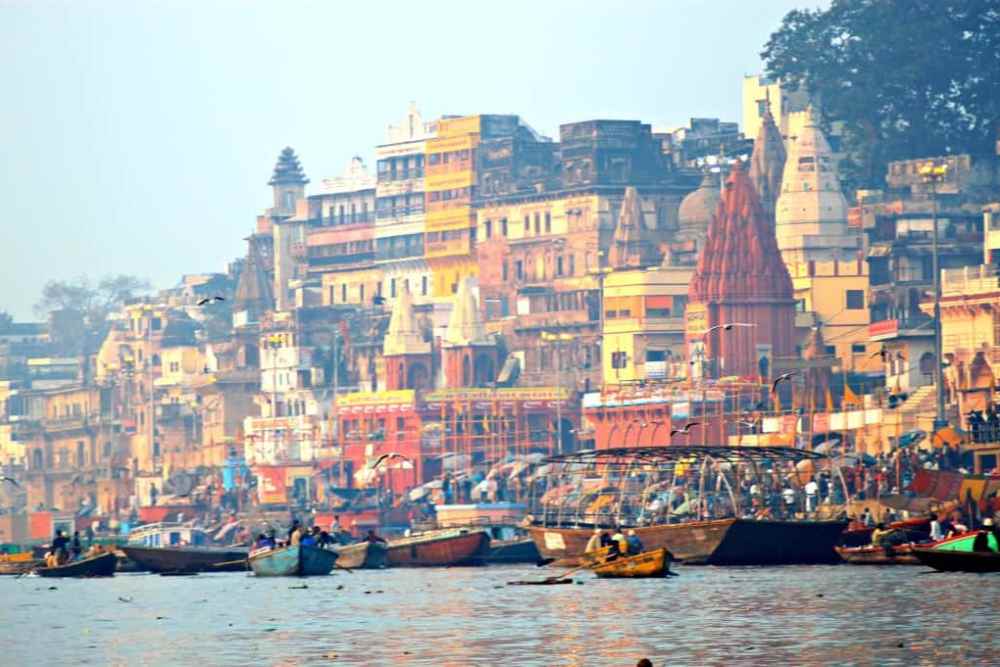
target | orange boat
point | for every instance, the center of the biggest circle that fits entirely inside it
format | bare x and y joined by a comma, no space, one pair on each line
648,564
439,548
872,555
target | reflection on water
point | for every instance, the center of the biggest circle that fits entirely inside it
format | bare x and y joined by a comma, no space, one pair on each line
467,616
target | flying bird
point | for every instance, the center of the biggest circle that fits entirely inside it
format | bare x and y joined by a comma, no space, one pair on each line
388,456
202,302
687,429
4,478
780,378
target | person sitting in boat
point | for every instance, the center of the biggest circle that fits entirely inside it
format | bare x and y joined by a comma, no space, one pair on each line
372,538
982,541
614,551
262,542
605,538
620,540
293,530
634,543
307,538
882,536
594,543
325,540
60,547
937,534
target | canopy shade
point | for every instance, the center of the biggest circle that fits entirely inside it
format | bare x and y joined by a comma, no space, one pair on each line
628,456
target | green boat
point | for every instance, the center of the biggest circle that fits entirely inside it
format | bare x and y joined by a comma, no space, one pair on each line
957,555
293,561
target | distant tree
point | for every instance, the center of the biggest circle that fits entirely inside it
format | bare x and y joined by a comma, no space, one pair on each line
908,78
6,319
95,302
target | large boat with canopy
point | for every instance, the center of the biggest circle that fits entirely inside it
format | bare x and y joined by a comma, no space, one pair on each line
706,504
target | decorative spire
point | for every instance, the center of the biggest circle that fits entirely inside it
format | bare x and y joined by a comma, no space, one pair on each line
740,259
628,247
767,163
403,335
288,171
253,292
464,325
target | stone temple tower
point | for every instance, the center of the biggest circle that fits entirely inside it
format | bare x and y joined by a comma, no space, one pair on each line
740,278
407,354
288,183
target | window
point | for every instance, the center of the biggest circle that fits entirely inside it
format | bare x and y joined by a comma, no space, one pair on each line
855,299
527,225
423,285
392,287
559,263
538,224
175,367
830,350
488,229
548,222
343,293
857,348
572,265
503,227
619,359
519,269
657,312
400,424
503,271
361,293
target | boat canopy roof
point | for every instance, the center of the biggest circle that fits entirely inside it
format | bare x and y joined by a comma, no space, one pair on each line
674,453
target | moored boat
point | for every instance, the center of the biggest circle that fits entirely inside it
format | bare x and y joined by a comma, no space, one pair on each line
19,563
188,559
878,555
292,561
362,556
714,542
101,565
440,548
946,560
648,564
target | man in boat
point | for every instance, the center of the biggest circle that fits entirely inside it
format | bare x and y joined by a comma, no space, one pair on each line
308,538
594,543
937,533
75,547
59,547
619,539
372,538
605,538
293,530
634,543
982,541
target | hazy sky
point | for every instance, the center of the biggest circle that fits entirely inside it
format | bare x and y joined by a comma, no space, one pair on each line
138,137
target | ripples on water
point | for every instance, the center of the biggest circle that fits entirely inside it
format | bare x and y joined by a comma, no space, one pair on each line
467,616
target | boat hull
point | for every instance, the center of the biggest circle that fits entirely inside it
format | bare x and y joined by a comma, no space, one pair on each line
293,561
958,561
97,566
362,556
521,550
440,549
646,565
872,555
187,559
717,542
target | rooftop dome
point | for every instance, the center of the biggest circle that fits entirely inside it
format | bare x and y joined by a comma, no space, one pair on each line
698,207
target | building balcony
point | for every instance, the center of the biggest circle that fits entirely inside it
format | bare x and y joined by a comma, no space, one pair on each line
969,281
70,423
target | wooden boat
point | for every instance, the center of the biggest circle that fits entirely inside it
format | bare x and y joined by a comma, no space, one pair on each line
22,563
872,555
188,559
515,550
916,529
101,565
440,548
648,564
947,560
292,561
362,556
714,542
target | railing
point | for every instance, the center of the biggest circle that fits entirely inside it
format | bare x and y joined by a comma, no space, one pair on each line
983,278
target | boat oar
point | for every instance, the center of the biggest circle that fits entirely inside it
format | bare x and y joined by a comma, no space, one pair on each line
231,562
342,567
544,561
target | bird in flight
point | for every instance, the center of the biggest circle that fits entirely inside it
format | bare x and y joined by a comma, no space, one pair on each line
780,378
202,302
687,429
385,457
4,478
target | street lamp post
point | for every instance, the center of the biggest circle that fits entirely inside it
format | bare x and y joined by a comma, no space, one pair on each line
932,174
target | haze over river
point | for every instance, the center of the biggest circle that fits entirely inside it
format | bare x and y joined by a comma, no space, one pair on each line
467,616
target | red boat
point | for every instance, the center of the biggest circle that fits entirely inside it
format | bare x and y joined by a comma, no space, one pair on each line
440,548
873,555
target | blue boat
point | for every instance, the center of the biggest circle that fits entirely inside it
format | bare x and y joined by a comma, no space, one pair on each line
294,561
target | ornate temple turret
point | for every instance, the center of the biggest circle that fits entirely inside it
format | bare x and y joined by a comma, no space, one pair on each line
288,183
767,163
629,247
740,277
468,355
811,210
407,354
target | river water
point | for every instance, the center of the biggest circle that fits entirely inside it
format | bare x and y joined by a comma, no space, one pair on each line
468,616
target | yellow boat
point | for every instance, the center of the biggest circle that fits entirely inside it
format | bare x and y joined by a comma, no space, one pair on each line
655,563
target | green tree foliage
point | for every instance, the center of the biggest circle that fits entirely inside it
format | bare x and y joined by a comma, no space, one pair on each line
908,78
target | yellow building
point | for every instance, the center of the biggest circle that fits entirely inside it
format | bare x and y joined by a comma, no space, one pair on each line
644,324
450,176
